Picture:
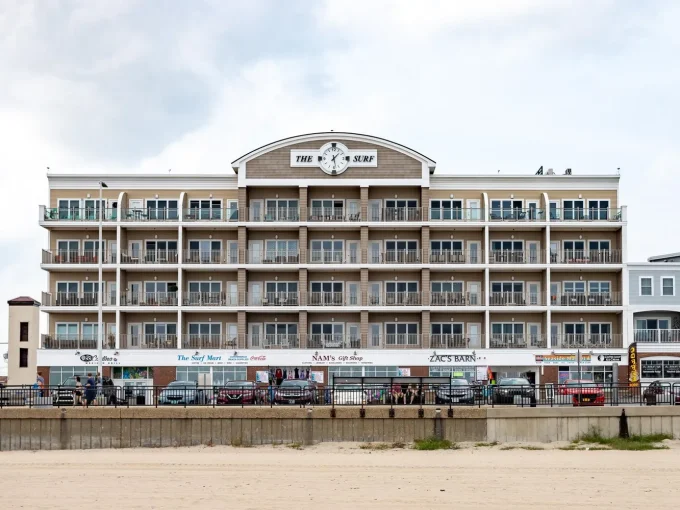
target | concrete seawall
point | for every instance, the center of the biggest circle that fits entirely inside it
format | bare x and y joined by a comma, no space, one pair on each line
57,429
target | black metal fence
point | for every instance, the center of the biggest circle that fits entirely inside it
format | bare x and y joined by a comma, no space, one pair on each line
402,391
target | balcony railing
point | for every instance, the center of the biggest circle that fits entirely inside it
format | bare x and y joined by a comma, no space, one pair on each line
454,214
150,214
331,341
516,214
148,257
516,299
77,257
75,342
395,299
591,214
333,214
77,299
456,257
326,299
395,257
454,341
210,299
274,341
141,341
210,256
516,257
277,299
516,341
657,336
77,214
456,299
586,340
587,299
148,298
199,341
586,257
274,214
328,257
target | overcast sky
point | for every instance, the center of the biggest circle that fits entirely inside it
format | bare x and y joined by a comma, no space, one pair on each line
476,85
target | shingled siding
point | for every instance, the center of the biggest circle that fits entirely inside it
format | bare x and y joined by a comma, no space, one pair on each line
276,164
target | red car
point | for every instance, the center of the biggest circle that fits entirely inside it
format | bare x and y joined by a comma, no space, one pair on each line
239,392
583,393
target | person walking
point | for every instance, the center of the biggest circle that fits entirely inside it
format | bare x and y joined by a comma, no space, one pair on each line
40,381
78,394
90,390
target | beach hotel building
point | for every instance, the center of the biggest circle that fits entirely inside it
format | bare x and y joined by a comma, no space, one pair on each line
335,254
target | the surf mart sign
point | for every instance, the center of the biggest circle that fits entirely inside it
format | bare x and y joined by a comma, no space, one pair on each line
333,158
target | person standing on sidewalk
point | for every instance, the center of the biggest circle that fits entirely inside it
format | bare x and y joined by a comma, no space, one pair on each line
90,390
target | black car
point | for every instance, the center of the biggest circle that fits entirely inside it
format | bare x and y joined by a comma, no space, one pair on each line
507,389
182,393
64,394
296,391
458,391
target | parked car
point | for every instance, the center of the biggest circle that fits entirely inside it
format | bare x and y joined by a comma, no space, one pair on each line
64,394
662,393
458,391
507,389
582,392
239,392
296,391
182,393
349,394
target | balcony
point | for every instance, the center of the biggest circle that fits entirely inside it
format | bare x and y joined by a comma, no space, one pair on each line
270,215
332,214
77,214
516,299
148,257
77,257
210,299
587,299
274,341
586,215
150,214
396,257
586,257
456,257
327,299
456,299
277,299
657,336
163,341
330,257
515,215
395,299
210,214
516,341
587,341
331,341
148,299
454,214
516,257
76,342
273,257
210,256
69,299
198,341
454,341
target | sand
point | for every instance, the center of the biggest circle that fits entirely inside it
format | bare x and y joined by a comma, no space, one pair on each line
338,476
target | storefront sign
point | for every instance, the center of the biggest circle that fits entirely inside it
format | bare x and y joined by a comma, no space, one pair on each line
633,375
333,158
331,357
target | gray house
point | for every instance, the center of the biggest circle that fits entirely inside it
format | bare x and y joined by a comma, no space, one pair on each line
654,316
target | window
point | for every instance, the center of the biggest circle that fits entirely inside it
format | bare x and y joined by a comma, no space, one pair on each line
204,251
506,293
600,333
447,335
350,371
327,210
23,332
160,335
204,335
597,374
207,209
69,209
161,251
507,245
281,293
446,210
327,335
281,335
573,209
281,210
401,251
219,375
282,251
401,293
646,288
598,209
162,209
599,245
509,334
326,293
401,334
660,368
59,374
23,358
132,373
554,210
205,293
447,251
574,287
162,293
506,210
599,287
401,210
668,286
327,251
67,293
454,372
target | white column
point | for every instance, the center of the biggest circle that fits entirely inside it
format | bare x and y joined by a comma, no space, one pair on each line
548,278
118,279
180,284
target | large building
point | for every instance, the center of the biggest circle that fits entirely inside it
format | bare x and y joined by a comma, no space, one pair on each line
336,254
654,317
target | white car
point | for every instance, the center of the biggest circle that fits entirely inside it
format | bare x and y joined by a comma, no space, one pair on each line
349,394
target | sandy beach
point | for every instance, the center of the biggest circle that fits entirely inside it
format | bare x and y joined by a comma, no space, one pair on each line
339,476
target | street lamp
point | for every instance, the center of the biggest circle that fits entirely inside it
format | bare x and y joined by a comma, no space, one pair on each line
100,327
